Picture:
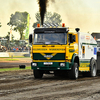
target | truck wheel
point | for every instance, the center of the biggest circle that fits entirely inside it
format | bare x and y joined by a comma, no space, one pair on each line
93,68
74,71
38,73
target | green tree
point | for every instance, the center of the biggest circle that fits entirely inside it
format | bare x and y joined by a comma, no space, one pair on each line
8,41
12,37
0,24
49,18
8,36
18,22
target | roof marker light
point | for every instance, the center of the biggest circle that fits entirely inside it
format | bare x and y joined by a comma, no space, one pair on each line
38,25
63,24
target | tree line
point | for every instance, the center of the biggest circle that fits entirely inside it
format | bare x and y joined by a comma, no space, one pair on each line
18,21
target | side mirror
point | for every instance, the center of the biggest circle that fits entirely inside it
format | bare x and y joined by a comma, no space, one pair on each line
77,29
30,39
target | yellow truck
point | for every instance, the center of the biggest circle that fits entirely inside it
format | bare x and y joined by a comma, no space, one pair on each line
62,51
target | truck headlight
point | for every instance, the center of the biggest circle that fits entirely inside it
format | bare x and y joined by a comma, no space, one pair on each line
62,64
34,64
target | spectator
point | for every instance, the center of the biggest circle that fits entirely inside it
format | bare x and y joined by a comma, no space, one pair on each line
17,49
14,49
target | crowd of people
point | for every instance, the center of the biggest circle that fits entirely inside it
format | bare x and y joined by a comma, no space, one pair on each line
14,49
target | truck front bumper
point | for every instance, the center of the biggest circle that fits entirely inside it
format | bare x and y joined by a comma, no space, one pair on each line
51,66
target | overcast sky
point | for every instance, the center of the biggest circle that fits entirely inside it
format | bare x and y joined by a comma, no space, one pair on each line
84,14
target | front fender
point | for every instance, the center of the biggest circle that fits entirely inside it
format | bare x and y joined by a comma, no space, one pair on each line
75,58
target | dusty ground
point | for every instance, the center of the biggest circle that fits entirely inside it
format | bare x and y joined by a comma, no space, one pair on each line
8,64
21,85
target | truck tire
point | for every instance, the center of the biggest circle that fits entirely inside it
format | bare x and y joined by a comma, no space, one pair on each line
93,68
74,71
38,74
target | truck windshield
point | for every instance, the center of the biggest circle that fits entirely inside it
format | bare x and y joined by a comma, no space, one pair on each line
50,38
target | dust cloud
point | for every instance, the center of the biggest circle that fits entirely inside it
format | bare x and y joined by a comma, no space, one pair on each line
8,7
84,14
79,13
43,7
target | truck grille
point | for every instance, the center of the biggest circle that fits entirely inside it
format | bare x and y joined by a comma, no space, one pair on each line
58,56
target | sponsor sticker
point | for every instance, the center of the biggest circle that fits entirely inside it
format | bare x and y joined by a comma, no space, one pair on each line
48,56
82,37
87,37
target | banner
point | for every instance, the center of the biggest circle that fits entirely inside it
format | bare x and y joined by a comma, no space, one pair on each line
4,54
27,29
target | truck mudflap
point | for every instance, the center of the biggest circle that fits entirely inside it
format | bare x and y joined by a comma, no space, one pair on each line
51,66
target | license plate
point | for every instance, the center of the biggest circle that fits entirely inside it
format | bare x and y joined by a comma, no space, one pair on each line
48,63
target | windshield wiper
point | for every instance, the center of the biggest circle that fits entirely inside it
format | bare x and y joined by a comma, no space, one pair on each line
55,42
44,42
40,42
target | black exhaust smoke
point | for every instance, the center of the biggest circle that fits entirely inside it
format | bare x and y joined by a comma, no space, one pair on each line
42,5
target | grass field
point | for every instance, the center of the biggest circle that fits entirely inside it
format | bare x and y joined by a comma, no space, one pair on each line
14,69
12,58
15,57
9,59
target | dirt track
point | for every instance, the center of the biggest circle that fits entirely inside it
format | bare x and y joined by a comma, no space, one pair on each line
21,85
10,64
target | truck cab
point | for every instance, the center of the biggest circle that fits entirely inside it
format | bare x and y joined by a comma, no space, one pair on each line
55,49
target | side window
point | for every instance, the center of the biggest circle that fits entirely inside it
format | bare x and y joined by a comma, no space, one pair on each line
72,38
